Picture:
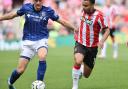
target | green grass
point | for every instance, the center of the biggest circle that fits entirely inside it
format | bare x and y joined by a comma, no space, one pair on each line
107,74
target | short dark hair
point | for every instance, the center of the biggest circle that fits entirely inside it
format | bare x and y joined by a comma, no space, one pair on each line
92,1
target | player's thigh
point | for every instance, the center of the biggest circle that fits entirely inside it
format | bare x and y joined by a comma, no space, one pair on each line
79,53
42,48
27,51
42,53
89,60
87,70
78,57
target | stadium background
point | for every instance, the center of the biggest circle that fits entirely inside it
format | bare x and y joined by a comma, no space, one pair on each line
11,31
108,74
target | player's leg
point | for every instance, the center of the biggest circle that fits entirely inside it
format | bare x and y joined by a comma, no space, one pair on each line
17,72
42,50
114,44
20,70
42,53
76,71
89,61
26,54
87,71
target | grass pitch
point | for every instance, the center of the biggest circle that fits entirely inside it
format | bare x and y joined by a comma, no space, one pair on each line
107,73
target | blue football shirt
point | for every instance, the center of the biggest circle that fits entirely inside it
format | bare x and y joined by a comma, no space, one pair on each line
35,26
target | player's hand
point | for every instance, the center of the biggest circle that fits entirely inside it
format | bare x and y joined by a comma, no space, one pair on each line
100,44
76,30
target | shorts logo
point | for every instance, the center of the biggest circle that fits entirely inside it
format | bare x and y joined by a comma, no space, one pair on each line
94,61
46,44
75,49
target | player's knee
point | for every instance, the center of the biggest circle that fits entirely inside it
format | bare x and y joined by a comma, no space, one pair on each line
42,57
78,61
42,53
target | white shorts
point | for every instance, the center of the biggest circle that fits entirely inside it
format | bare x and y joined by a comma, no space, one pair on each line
30,48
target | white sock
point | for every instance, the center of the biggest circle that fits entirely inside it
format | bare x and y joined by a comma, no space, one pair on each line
103,51
75,77
115,50
82,68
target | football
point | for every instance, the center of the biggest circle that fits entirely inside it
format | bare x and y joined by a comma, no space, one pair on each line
38,85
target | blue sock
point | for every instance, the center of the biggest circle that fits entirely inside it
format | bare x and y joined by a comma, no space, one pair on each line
41,70
14,76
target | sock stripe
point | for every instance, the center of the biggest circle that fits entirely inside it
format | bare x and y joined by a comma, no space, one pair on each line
76,67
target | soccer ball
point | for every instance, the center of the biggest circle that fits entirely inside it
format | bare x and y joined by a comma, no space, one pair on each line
38,85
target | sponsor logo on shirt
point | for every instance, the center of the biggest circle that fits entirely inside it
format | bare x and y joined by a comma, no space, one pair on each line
87,21
36,17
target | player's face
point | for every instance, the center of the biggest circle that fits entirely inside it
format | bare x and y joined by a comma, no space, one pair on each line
87,5
38,4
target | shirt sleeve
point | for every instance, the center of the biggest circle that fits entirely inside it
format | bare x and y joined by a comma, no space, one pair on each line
53,15
103,22
21,11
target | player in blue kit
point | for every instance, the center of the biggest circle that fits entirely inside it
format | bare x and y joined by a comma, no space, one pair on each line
35,36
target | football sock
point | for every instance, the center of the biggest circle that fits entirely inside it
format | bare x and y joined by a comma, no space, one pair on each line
41,70
14,76
82,68
75,76
115,50
103,51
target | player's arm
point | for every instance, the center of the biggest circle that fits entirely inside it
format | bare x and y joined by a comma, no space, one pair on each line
104,26
8,16
66,24
55,17
105,36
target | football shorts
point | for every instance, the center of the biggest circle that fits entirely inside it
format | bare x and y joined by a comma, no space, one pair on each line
30,48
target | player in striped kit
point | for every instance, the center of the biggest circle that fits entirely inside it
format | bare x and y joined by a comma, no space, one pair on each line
35,36
111,11
87,40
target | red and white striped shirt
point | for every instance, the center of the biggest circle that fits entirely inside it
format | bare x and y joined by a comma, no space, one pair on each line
110,13
90,27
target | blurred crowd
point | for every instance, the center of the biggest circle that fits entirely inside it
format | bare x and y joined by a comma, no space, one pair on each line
11,30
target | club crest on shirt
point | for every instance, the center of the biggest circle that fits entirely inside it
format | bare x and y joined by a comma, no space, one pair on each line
43,14
82,18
